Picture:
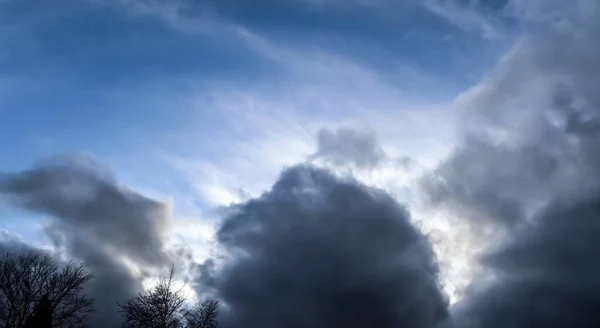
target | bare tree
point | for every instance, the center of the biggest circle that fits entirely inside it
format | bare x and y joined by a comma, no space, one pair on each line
203,315
161,307
32,283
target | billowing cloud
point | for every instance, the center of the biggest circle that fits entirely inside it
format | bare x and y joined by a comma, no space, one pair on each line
546,273
485,181
74,190
530,129
529,163
95,220
348,146
316,251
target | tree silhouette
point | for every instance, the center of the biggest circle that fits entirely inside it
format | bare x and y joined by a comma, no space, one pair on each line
161,307
35,291
42,315
203,315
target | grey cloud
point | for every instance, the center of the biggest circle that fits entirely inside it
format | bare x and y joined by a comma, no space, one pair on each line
530,128
529,161
484,181
96,220
316,251
348,146
547,273
75,191
114,281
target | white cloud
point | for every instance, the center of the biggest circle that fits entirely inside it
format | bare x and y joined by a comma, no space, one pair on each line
465,17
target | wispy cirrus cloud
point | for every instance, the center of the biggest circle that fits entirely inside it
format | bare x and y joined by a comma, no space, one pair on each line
471,15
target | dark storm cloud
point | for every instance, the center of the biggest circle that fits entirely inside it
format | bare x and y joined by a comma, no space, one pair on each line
316,251
75,191
547,273
347,146
530,162
96,221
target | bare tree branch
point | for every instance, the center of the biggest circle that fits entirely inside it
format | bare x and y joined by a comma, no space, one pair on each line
203,315
26,279
161,307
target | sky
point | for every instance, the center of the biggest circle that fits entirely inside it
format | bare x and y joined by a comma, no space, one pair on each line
137,133
195,101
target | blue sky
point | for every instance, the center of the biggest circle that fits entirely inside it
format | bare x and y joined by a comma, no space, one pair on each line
194,101
87,75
